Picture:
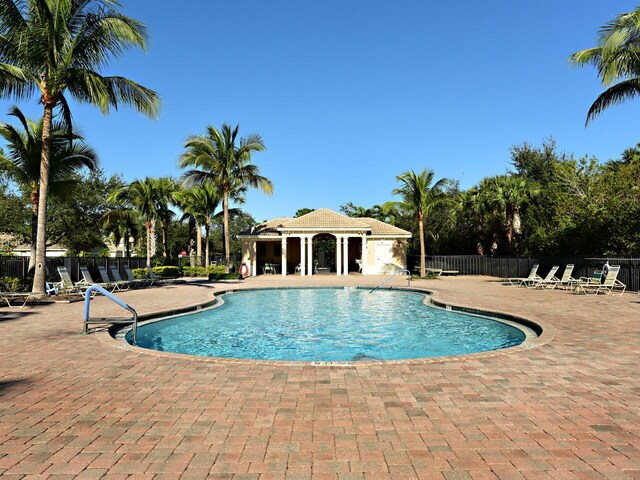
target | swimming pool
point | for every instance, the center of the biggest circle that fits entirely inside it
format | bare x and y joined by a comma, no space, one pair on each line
327,325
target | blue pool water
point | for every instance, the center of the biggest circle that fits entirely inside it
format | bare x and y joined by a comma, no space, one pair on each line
327,325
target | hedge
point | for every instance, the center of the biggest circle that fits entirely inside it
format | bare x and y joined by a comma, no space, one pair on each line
168,271
202,271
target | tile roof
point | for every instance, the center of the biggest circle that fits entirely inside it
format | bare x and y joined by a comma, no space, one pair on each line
324,218
381,228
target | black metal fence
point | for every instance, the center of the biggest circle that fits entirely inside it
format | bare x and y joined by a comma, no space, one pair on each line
503,267
19,266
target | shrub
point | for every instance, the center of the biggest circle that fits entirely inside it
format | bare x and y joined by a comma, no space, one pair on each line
216,269
12,284
225,276
140,273
194,271
167,271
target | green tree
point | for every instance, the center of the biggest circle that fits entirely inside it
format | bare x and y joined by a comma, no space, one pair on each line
58,47
148,198
616,61
122,224
220,158
69,154
200,203
303,211
419,195
509,194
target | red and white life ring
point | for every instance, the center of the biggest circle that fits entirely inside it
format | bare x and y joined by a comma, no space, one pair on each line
244,270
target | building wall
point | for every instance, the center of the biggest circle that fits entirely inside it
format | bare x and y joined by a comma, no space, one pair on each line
386,255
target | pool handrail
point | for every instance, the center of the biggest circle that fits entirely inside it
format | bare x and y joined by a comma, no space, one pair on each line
391,276
114,320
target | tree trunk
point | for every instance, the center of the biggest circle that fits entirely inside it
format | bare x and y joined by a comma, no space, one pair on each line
127,251
225,222
40,274
206,244
423,270
199,244
509,233
34,229
165,240
147,224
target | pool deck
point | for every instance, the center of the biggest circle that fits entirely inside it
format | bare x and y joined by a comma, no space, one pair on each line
567,406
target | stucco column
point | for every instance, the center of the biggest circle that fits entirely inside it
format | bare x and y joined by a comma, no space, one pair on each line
345,256
302,257
310,256
283,251
363,258
338,256
254,255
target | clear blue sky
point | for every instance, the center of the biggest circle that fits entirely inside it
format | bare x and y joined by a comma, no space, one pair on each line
349,94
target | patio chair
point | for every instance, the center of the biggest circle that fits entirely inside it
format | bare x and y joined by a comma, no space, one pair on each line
298,268
594,279
567,281
117,284
610,284
132,283
549,282
142,282
88,280
267,268
66,285
24,297
359,263
533,275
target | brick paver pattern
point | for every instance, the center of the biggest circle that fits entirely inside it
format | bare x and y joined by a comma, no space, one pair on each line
85,406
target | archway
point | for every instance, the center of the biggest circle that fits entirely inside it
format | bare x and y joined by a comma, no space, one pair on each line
324,253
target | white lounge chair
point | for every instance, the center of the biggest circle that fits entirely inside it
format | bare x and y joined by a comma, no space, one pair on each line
117,284
88,281
594,279
567,281
25,297
610,284
550,281
519,281
66,285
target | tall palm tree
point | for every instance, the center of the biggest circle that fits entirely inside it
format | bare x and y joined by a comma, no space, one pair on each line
22,162
200,202
220,158
122,224
419,195
145,197
509,194
616,60
164,190
59,47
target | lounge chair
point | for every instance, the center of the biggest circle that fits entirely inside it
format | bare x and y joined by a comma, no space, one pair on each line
66,285
88,281
594,279
132,283
142,282
550,281
610,284
567,281
298,268
117,284
24,297
533,275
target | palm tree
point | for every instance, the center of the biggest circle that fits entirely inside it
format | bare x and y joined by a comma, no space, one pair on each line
419,195
164,190
22,162
58,47
122,224
200,203
616,60
147,198
216,157
509,194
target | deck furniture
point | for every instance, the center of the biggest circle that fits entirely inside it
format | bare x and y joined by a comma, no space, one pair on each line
117,283
550,281
519,281
610,284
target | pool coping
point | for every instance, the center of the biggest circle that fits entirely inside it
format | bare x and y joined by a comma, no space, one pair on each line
545,333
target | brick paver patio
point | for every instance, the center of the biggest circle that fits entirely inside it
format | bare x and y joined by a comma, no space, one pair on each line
82,406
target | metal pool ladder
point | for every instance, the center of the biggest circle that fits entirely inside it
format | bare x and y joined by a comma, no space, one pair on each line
112,320
391,276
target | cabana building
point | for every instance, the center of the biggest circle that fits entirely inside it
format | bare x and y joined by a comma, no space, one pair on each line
324,241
